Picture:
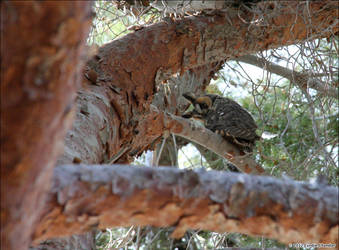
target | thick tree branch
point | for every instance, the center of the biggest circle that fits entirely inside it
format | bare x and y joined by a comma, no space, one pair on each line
302,80
85,197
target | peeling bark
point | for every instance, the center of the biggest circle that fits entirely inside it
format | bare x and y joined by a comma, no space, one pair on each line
41,59
85,197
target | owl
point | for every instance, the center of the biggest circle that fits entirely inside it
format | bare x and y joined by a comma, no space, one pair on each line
225,117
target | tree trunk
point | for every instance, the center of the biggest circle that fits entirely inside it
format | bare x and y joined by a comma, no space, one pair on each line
42,46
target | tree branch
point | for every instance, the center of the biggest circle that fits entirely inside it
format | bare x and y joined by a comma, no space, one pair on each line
212,141
85,197
302,80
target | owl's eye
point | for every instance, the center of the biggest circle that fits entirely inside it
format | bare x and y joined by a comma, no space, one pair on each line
203,106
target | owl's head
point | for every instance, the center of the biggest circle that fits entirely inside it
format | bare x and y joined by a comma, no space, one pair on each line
200,103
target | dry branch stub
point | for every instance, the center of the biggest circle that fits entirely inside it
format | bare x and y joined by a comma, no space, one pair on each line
84,197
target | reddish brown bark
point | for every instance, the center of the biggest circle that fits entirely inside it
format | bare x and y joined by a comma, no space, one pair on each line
84,197
41,60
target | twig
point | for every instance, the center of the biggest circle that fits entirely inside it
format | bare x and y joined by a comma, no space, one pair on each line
301,79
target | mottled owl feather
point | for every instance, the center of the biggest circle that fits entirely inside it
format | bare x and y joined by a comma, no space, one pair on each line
226,117
225,114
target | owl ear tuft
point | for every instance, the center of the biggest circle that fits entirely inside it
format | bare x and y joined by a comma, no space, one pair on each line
205,100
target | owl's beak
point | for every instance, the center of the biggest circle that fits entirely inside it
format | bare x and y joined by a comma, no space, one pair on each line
198,102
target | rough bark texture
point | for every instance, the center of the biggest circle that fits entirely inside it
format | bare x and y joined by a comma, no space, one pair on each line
85,197
41,62
124,73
